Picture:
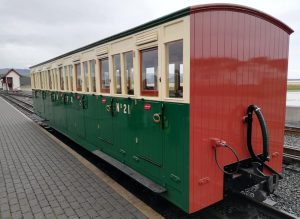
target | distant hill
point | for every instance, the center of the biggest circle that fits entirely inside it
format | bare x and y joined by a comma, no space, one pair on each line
23,72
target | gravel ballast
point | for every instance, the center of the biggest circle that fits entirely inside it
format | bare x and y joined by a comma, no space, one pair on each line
287,196
292,140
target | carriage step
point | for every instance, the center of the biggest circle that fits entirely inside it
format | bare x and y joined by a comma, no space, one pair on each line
131,173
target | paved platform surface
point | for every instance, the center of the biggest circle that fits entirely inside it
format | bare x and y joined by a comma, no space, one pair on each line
40,179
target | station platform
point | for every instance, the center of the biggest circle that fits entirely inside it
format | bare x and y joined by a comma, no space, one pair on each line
40,177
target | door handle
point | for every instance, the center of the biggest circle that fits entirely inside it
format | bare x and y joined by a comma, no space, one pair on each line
156,117
160,117
107,107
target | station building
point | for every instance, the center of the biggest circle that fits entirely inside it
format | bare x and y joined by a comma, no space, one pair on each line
10,80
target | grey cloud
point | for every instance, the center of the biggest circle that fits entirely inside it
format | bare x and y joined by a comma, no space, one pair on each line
32,31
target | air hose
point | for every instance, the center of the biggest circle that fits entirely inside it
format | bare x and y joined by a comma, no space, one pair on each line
264,132
224,144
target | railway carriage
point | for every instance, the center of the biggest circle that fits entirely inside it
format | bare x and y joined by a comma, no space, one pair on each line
171,102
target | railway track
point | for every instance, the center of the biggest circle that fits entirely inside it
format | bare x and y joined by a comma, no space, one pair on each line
292,153
21,104
292,130
260,208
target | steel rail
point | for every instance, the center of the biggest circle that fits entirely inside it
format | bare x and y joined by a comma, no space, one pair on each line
265,208
21,104
24,102
19,93
292,130
291,153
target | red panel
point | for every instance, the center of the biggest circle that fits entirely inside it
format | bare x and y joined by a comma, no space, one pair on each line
237,59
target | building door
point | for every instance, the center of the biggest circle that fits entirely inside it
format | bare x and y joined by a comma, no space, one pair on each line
9,82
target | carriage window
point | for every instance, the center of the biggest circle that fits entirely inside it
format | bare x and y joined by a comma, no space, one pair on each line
71,77
104,75
45,80
86,76
93,75
78,78
175,69
54,79
66,77
61,78
149,62
38,80
49,80
41,82
128,61
32,81
117,73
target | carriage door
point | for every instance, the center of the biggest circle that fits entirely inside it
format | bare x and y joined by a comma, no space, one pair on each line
150,141
151,112
107,107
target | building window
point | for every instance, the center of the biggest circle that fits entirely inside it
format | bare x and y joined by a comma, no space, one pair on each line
86,76
93,75
71,77
175,69
117,73
104,75
78,78
149,64
129,77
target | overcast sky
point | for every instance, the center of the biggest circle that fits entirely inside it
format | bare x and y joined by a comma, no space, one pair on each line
32,31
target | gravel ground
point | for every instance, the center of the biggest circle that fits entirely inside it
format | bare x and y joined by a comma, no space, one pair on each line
287,195
292,140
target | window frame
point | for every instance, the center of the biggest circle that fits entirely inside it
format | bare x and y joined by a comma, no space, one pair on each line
92,90
49,79
104,90
166,67
115,75
86,76
61,78
71,76
125,76
66,78
76,77
148,93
